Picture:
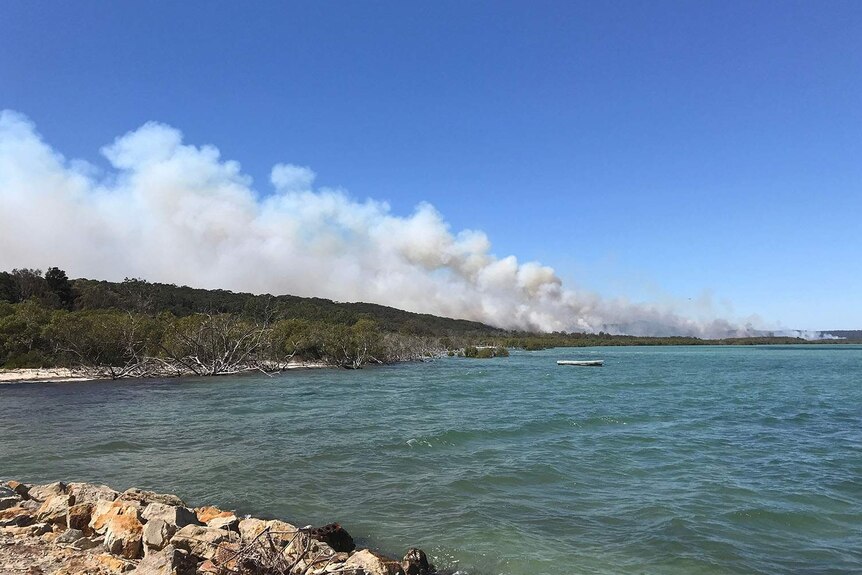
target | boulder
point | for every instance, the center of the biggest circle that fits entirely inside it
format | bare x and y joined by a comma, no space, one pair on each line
91,492
16,517
171,514
281,531
124,536
42,492
84,543
335,536
78,517
104,511
415,562
227,521
114,564
208,513
9,501
157,534
168,561
55,508
373,564
6,491
249,528
69,536
307,553
202,541
21,489
146,497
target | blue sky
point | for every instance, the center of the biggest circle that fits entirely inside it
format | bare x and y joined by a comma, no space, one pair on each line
641,149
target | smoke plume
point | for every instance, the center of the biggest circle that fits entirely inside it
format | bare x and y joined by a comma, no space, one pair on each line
172,212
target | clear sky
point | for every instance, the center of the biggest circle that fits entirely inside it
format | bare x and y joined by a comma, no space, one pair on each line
642,149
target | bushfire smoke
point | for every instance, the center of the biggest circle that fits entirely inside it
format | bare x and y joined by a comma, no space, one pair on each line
172,212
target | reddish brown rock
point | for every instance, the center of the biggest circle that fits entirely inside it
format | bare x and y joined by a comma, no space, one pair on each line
208,513
78,517
124,536
104,511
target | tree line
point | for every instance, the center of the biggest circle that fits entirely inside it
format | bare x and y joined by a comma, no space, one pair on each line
136,328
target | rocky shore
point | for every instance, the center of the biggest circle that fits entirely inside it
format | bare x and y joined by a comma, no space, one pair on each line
88,529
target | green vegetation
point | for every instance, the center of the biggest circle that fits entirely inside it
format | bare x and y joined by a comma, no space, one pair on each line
137,328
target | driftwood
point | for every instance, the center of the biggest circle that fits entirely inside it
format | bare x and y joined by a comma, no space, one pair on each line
267,554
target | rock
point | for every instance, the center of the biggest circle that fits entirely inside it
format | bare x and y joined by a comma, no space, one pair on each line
335,536
373,564
179,517
40,529
91,492
85,543
249,528
157,533
115,564
42,492
168,561
6,491
207,514
19,488
55,508
415,562
104,511
16,517
201,541
9,501
282,532
124,535
78,517
207,567
146,497
308,553
224,521
69,536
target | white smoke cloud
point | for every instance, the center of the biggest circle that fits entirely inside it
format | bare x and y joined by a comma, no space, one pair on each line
177,213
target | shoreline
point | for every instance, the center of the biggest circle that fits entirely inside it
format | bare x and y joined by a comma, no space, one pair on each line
91,529
73,375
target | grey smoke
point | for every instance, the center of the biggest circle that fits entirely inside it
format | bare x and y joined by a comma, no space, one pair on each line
172,212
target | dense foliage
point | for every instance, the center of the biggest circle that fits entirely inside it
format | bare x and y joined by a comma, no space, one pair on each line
136,328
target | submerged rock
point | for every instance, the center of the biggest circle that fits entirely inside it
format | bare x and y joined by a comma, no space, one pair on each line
415,562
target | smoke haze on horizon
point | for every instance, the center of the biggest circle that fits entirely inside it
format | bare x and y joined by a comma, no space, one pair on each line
177,213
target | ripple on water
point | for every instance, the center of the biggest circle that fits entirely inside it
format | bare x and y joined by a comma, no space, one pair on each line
667,460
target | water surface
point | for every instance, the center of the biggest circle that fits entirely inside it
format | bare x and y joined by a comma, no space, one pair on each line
667,460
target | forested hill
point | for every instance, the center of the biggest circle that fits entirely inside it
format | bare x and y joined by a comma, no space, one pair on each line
849,334
137,295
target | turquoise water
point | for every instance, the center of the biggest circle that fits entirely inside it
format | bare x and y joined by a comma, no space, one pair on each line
666,460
